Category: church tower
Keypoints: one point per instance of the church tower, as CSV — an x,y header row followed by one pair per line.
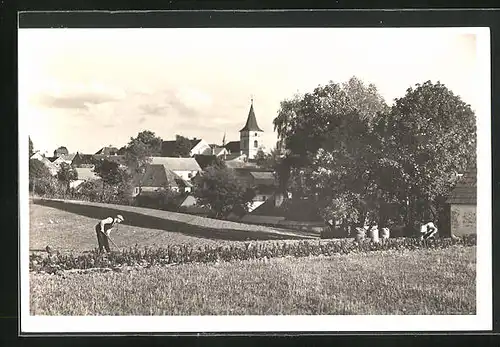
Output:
x,y
250,135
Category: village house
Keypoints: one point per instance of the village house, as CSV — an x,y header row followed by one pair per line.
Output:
x,y
64,158
198,146
161,172
41,157
83,160
462,205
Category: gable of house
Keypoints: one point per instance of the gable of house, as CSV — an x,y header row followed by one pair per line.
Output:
x,y
200,147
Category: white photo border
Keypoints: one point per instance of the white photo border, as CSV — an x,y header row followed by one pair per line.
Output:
x,y
481,321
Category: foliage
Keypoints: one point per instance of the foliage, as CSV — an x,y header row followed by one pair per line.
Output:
x,y
331,148
31,151
61,151
94,191
376,283
109,172
166,198
181,254
66,174
48,187
220,190
140,149
349,151
182,146
37,169
429,136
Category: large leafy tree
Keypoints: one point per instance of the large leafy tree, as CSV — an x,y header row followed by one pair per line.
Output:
x,y
61,151
220,190
182,146
113,176
139,150
330,147
66,174
429,137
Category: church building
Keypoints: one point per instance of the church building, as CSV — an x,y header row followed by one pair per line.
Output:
x,y
250,137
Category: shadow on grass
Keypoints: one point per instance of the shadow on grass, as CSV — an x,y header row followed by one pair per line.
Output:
x,y
150,222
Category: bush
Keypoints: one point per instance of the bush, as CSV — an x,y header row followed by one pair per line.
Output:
x,y
48,187
178,254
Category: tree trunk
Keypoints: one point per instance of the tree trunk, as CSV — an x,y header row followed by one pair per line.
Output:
x,y
102,193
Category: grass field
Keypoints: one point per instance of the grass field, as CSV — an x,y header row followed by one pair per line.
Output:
x,y
417,282
438,281
72,232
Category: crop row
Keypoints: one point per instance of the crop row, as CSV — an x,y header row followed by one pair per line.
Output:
x,y
179,254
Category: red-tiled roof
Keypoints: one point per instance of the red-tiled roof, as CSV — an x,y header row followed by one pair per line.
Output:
x,y
465,191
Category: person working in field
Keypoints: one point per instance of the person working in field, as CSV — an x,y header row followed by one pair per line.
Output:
x,y
103,229
427,231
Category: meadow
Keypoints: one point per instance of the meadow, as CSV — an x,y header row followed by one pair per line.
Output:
x,y
302,280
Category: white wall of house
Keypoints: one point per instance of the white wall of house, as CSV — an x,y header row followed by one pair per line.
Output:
x,y
200,148
463,219
185,175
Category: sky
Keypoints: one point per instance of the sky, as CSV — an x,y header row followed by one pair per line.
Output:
x,y
89,88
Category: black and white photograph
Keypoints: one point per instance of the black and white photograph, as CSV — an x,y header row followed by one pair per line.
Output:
x,y
255,179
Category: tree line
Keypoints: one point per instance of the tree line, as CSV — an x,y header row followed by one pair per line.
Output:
x,y
361,160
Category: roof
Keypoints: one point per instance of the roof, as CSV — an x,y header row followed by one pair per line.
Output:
x,y
67,157
465,191
168,147
233,146
84,158
86,174
263,178
251,124
109,150
205,160
158,175
218,150
237,164
194,142
119,159
177,164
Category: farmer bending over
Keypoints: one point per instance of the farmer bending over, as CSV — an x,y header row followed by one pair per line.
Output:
x,y
103,229
428,230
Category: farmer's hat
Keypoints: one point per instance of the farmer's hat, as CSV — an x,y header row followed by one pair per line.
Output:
x,y
120,218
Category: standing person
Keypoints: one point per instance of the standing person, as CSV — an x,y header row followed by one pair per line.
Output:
x,y
103,229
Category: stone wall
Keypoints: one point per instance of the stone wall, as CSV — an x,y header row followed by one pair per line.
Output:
x,y
463,219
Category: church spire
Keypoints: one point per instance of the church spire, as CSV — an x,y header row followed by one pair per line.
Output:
x,y
251,124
